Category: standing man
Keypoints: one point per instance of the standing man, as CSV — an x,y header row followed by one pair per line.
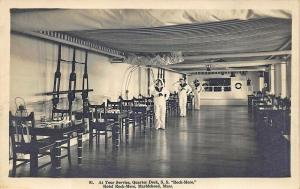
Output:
x,y
197,90
161,94
184,89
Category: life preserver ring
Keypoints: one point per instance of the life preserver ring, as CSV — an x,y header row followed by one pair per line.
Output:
x,y
238,85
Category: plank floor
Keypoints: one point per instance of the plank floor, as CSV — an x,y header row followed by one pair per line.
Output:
x,y
217,141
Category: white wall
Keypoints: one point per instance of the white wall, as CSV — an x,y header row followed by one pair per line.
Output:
x,y
234,97
32,67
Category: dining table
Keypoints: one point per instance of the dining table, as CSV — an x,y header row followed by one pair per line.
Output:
x,y
57,133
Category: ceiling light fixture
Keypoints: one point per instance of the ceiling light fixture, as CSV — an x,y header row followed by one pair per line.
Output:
x,y
261,74
156,59
208,67
232,74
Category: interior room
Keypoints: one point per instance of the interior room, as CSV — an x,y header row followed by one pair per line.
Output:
x,y
150,93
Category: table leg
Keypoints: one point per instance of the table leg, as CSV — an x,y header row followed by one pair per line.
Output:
x,y
144,117
79,146
33,163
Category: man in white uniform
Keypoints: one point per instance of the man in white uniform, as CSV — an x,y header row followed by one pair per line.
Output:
x,y
161,94
197,90
183,90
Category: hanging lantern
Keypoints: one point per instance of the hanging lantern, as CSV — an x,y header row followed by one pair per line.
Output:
x,y
208,67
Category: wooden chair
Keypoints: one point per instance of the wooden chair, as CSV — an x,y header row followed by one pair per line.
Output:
x,y
97,124
189,104
58,115
127,106
150,114
118,123
24,142
121,106
140,118
173,104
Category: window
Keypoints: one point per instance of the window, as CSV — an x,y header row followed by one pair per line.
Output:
x,y
217,84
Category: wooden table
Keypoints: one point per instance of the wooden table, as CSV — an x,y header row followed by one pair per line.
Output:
x,y
57,134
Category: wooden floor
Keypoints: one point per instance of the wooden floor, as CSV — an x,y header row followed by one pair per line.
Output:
x,y
217,141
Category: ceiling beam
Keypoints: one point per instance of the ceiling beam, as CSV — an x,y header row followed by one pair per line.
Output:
x,y
224,64
237,55
227,70
168,69
285,45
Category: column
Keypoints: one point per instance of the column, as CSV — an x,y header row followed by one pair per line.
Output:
x,y
139,77
148,81
283,79
261,83
272,79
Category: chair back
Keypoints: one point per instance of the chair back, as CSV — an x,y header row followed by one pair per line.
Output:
x,y
114,105
173,96
286,103
59,114
127,104
271,98
149,101
279,102
97,112
138,101
20,129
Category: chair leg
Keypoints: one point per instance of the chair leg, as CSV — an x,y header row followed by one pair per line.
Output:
x,y
122,125
33,163
14,166
140,121
69,150
133,124
90,138
144,121
105,138
52,157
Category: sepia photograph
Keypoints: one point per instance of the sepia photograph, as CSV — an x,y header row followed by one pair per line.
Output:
x,y
115,94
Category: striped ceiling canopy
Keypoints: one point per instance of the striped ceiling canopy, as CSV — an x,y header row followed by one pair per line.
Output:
x,y
198,41
218,37
232,36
